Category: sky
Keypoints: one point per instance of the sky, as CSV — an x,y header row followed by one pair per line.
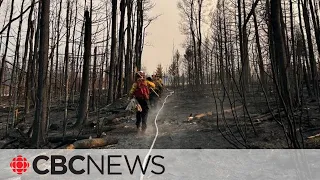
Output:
x,y
162,35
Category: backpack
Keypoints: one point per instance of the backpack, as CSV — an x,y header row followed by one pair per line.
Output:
x,y
142,91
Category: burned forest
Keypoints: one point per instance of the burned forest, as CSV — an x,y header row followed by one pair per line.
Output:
x,y
246,74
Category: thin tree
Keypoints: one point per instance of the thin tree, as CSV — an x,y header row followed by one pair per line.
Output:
x,y
66,74
39,124
121,47
83,104
113,51
4,56
128,57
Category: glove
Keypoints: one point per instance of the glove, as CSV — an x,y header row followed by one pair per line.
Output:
x,y
139,108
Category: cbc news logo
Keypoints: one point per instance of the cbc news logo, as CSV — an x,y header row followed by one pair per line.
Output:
x,y
19,164
60,165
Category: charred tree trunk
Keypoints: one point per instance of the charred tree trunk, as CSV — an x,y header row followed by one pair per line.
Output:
x,y
94,79
106,54
3,61
294,59
57,51
200,2
28,81
280,51
281,57
304,49
113,51
40,120
66,74
221,68
121,47
15,70
139,34
315,24
83,104
24,57
260,60
73,61
312,60
128,58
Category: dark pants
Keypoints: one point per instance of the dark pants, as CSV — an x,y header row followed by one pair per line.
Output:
x,y
143,115
153,99
159,91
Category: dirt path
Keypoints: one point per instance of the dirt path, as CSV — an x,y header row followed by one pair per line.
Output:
x,y
174,129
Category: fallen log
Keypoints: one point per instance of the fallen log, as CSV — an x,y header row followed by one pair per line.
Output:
x,y
92,143
199,116
313,141
314,136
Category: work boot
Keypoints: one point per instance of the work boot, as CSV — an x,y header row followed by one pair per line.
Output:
x,y
143,129
138,128
139,132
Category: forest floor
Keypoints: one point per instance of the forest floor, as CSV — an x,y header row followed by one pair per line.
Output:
x,y
175,129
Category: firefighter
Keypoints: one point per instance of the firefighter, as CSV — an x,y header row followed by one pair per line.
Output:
x,y
141,91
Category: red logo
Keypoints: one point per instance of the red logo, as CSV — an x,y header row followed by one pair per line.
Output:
x,y
19,164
